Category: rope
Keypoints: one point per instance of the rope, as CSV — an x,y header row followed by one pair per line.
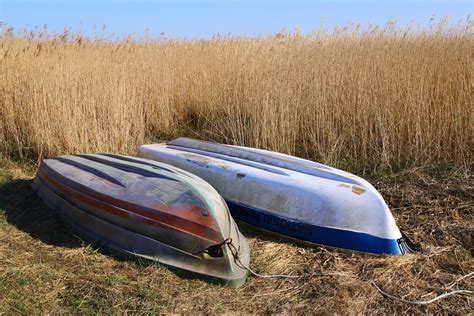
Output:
x,y
235,253
434,299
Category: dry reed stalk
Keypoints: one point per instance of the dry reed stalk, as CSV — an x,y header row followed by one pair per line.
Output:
x,y
355,98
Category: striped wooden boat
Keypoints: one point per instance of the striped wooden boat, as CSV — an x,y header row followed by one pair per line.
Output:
x,y
297,198
143,208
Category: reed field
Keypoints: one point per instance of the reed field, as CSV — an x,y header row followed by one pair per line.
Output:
x,y
362,98
393,104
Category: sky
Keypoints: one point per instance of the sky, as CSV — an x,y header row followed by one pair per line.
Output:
x,y
205,18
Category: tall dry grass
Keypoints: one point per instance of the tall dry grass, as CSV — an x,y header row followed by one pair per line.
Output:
x,y
360,98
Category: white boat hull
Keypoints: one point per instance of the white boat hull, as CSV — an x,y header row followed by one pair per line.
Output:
x,y
290,196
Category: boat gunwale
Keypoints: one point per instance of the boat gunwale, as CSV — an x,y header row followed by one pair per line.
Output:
x,y
234,206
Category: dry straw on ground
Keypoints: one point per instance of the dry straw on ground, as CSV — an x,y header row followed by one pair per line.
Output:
x,y
43,267
357,98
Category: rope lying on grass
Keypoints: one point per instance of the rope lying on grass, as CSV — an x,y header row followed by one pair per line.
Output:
x,y
236,255
434,299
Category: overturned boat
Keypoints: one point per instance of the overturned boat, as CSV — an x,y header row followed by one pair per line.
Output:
x,y
147,209
297,198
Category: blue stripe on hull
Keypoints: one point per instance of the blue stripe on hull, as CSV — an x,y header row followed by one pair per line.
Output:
x,y
314,234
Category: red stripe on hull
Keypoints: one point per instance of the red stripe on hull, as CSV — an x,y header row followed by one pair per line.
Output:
x,y
151,217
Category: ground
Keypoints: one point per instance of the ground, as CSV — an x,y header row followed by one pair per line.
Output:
x,y
45,268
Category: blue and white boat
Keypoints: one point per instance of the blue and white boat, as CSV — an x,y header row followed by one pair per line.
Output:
x,y
290,196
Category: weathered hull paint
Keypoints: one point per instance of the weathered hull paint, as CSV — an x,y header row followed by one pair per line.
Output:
x,y
301,199
312,234
146,209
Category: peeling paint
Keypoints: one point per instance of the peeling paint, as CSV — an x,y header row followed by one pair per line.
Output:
x,y
203,161
357,190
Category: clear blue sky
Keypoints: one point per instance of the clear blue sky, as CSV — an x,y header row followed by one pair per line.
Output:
x,y
204,18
